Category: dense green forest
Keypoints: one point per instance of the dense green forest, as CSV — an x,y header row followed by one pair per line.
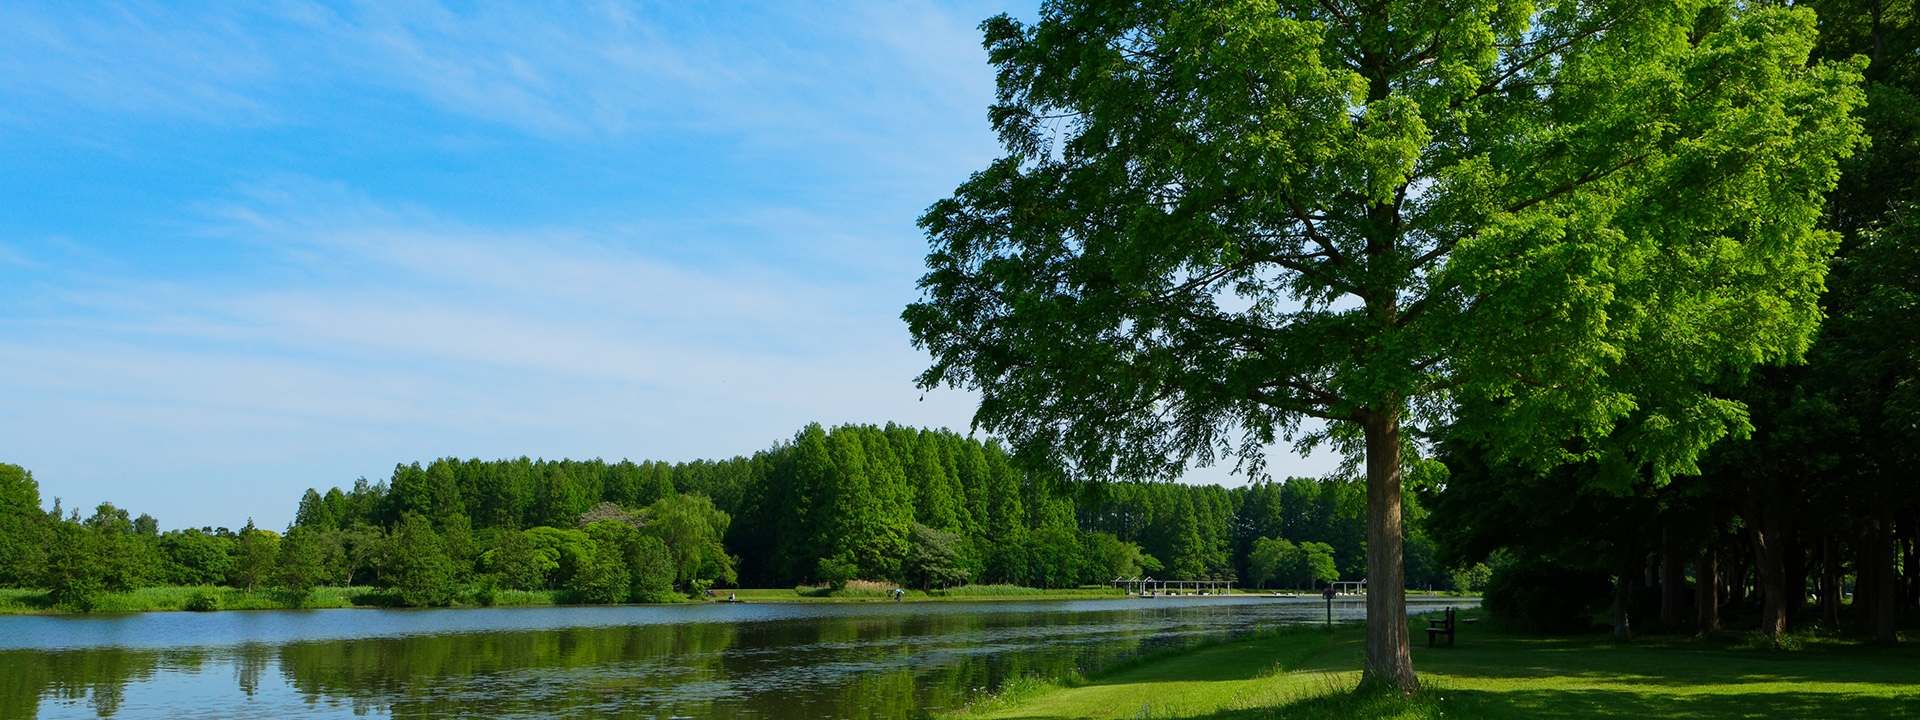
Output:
x,y
921,508
1810,521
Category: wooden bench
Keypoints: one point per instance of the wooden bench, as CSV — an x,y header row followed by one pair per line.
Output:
x,y
1442,626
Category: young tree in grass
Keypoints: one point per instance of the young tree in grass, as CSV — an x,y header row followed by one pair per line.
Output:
x,y
417,563
74,574
1216,221
254,556
1112,558
1270,560
300,562
1314,563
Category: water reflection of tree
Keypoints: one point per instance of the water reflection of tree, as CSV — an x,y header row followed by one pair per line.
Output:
x,y
859,665
97,676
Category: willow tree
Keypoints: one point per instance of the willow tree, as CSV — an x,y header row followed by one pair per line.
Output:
x,y
1217,219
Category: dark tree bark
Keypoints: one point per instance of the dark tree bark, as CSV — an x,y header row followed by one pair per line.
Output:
x,y
1706,586
1830,579
1768,531
1623,593
1909,580
1864,581
1389,658
1734,580
1673,580
1794,588
1885,597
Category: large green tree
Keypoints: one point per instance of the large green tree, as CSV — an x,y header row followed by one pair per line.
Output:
x,y
23,527
1217,220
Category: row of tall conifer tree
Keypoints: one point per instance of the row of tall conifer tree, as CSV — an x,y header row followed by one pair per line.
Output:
x,y
922,508
873,502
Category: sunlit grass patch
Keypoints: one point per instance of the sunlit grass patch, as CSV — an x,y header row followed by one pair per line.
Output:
x,y
1494,673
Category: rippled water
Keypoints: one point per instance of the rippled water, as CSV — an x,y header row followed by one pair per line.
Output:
x,y
875,660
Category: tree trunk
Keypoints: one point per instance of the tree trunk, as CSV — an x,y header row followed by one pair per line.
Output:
x,y
1706,587
1673,580
1388,658
1830,580
1769,559
1623,595
1734,580
1909,581
1795,582
1864,581
1773,606
1885,597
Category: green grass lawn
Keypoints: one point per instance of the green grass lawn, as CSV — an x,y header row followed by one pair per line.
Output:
x,y
1309,673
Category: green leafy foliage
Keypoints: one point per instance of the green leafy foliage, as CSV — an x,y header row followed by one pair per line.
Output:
x,y
652,569
23,527
254,556
693,528
1545,596
194,557
300,562
934,559
1303,565
75,574
418,566
1554,225
599,569
516,563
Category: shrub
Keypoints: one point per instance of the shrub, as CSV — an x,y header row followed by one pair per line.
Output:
x,y
203,600
836,571
1547,597
486,590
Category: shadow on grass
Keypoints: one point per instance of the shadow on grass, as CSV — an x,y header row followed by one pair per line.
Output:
x,y
1440,703
1219,660
1669,662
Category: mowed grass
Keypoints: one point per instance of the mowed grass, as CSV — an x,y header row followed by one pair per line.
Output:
x,y
1492,674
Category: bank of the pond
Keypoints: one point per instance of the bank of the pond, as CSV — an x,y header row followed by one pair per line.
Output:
x,y
1490,673
216,597
15,601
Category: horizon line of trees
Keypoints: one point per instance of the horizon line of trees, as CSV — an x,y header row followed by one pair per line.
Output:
x,y
921,508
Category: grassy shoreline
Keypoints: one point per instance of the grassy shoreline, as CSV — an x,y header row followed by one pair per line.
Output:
x,y
216,598
1490,673
181,598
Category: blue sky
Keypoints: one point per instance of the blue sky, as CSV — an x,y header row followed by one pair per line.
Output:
x,y
250,248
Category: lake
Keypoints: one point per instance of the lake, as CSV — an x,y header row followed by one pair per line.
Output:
x,y
776,660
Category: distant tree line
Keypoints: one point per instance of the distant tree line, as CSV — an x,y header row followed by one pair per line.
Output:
x,y
922,508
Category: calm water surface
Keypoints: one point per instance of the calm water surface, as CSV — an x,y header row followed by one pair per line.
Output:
x,y
773,661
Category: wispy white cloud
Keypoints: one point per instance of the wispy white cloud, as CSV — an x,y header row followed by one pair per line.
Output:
x,y
777,72
297,331
130,57
446,338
